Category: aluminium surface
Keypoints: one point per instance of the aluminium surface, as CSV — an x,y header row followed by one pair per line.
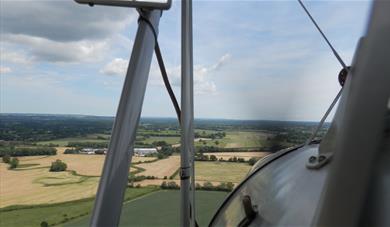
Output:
x,y
187,211
145,4
284,191
377,205
360,131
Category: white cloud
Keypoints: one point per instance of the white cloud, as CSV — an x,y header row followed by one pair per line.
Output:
x,y
221,61
202,83
60,31
63,21
116,67
4,70
42,49
15,57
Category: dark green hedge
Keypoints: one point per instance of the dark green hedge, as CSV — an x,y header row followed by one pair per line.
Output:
x,y
33,151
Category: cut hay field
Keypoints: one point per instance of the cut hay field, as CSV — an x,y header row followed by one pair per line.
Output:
x,y
34,184
217,172
90,165
244,155
161,168
221,171
148,210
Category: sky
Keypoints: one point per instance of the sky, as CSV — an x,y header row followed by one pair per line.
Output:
x,y
252,59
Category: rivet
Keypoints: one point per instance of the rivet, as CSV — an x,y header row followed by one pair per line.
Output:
x,y
312,159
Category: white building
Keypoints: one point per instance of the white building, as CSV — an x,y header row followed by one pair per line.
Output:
x,y
87,151
144,151
93,151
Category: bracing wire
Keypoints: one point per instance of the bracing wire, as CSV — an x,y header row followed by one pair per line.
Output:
x,y
321,123
319,126
166,81
323,35
163,70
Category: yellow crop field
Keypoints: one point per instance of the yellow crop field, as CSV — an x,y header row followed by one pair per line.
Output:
x,y
83,164
221,171
34,184
164,167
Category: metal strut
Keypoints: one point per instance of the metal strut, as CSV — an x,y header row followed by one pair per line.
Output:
x,y
187,215
322,158
109,198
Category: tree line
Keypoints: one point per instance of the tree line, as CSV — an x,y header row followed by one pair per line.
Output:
x,y
27,151
213,158
207,186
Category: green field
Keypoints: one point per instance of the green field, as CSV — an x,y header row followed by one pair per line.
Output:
x,y
238,139
244,139
57,213
93,138
233,139
64,142
162,208
142,208
168,139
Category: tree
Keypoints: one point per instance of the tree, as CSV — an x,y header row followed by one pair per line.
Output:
x,y
208,185
14,162
229,186
6,158
216,142
169,185
252,161
160,156
160,143
164,185
71,151
173,185
58,166
213,158
44,224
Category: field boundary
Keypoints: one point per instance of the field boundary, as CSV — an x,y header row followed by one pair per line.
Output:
x,y
23,207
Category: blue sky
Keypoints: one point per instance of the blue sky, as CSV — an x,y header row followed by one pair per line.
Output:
x,y
252,59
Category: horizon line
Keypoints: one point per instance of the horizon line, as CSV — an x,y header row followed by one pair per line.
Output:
x,y
161,117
